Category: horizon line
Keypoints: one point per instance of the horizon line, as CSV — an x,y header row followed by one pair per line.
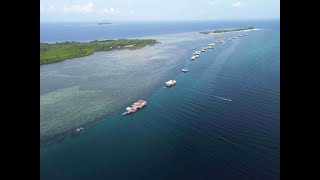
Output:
x,y
182,20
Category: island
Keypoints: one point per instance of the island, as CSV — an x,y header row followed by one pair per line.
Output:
x,y
102,23
50,53
226,30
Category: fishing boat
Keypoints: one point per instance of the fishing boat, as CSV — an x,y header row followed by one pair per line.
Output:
x,y
197,52
185,70
79,129
170,83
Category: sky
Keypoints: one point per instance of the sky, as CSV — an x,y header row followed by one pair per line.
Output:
x,y
156,10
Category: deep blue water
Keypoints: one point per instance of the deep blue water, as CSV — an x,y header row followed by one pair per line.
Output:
x,y
190,131
54,32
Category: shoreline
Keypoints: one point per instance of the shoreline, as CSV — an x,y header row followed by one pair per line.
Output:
x,y
217,31
57,52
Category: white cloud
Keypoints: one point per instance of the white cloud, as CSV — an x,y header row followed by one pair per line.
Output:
x,y
47,8
88,9
132,12
110,11
41,8
51,8
214,2
236,4
79,8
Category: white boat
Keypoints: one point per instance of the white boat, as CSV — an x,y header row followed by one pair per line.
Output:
x,y
185,70
210,47
197,52
230,39
234,38
240,35
193,57
203,50
245,34
197,56
211,44
170,83
221,41
79,129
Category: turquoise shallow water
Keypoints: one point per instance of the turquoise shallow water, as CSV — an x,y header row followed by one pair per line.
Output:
x,y
189,131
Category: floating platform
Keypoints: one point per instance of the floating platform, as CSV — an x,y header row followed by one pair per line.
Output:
x,y
135,107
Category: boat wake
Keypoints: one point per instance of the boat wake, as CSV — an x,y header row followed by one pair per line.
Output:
x,y
223,98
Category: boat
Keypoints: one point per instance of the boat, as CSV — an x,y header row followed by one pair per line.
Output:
x,y
197,52
210,47
135,106
217,42
170,83
197,56
221,41
234,38
193,57
79,129
185,70
245,34
240,35
211,44
230,39
203,50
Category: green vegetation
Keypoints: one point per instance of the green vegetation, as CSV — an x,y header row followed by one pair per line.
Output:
x,y
226,30
50,53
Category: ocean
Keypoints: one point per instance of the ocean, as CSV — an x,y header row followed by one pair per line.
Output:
x,y
220,121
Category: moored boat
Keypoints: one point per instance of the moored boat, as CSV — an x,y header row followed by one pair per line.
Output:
x,y
185,70
79,129
197,52
170,83
135,106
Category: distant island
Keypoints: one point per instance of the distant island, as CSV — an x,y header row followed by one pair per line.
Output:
x,y
50,53
226,30
102,23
